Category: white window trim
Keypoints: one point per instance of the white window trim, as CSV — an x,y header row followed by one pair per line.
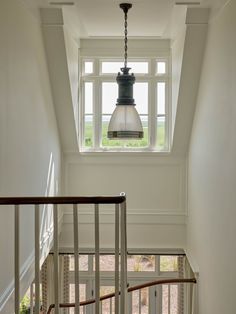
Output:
x,y
107,278
152,78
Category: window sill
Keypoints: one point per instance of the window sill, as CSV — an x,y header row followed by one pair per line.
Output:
x,y
124,153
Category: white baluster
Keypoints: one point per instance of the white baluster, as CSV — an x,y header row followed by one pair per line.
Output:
x,y
117,246
17,259
56,254
168,299
37,259
76,257
97,262
123,299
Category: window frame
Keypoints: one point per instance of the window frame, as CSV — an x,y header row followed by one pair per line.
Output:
x,y
134,277
152,78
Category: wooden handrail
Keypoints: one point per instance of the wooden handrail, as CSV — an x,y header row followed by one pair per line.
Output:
x,y
130,289
162,282
63,200
120,205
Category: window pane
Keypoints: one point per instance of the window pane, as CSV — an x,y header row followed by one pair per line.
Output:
x,y
141,97
124,143
144,301
111,66
105,141
135,302
83,263
88,67
88,97
138,67
109,97
108,304
161,121
141,263
161,93
161,67
106,290
25,302
115,66
140,301
173,299
168,263
165,297
107,263
82,291
88,131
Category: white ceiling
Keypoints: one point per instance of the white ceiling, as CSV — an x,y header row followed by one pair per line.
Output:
x,y
104,18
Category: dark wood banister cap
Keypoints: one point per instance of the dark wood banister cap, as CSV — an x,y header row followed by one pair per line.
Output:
x,y
63,200
130,289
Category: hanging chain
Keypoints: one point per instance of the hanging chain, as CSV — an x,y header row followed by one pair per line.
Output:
x,y
126,41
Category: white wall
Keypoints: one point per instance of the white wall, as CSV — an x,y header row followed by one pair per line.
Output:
x,y
212,172
154,183
62,56
155,188
185,86
177,59
29,143
72,53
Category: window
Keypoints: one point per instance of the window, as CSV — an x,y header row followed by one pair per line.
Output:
x,y
162,299
169,299
168,263
82,293
107,263
107,306
98,101
140,301
141,263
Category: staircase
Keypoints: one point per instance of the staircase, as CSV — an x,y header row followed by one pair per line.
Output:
x,y
120,249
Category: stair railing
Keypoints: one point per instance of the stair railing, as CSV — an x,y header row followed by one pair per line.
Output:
x,y
120,247
130,289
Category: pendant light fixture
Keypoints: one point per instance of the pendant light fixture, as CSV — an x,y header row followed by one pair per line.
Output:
x,y
125,122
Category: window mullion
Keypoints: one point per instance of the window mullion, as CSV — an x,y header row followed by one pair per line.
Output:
x,y
152,113
167,115
80,104
159,299
96,106
97,114
82,113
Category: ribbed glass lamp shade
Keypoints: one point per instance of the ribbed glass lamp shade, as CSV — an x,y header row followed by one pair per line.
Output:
x,y
125,123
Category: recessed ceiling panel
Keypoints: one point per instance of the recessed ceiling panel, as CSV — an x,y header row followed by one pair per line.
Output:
x,y
105,18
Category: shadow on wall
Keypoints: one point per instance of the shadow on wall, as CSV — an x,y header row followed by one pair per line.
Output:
x,y
46,230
